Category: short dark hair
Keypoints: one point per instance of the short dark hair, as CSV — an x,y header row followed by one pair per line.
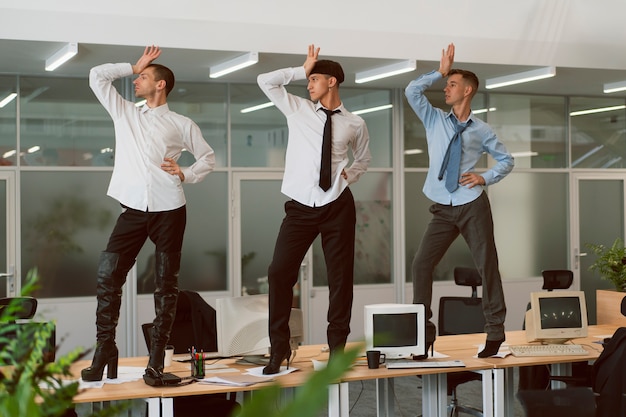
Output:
x,y
468,76
161,72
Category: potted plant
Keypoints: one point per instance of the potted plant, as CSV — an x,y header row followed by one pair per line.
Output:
x,y
29,384
610,263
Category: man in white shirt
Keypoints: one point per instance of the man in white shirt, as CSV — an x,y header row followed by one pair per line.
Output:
x,y
147,181
317,205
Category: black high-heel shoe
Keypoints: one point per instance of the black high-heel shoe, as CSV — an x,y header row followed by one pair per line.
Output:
x,y
106,355
273,367
429,346
491,348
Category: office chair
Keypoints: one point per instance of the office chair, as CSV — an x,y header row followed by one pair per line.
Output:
x,y
462,315
569,402
194,325
22,308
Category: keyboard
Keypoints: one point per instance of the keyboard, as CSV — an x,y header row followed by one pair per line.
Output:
x,y
548,350
407,364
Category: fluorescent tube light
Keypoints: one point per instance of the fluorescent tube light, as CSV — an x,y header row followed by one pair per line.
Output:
x,y
598,110
615,87
479,111
385,71
235,64
61,56
7,99
524,154
413,151
257,107
521,77
373,109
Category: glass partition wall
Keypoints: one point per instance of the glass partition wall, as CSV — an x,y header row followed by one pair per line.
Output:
x,y
59,141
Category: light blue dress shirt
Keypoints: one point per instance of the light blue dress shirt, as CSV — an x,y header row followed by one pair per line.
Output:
x,y
477,139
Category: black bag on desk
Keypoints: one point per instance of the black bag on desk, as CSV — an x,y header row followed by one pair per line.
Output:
x,y
609,380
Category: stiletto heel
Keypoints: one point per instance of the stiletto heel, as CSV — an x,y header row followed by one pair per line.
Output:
x,y
106,355
273,367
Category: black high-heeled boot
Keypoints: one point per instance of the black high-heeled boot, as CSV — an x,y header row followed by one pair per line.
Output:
x,y
429,346
112,270
273,367
106,355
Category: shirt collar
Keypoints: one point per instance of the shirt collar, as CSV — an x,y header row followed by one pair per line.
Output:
x,y
158,111
453,117
318,106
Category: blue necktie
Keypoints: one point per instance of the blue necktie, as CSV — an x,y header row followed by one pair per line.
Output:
x,y
326,163
452,159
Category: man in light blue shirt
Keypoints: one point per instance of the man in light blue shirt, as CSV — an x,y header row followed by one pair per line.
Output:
x,y
461,205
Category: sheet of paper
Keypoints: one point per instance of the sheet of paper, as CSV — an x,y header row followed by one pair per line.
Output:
x,y
239,380
258,371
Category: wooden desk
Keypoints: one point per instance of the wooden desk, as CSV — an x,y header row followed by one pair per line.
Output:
x,y
561,365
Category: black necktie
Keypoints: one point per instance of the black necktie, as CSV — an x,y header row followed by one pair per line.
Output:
x,y
452,159
326,163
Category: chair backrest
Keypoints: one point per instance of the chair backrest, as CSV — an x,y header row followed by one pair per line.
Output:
x,y
570,402
462,315
24,307
557,279
194,325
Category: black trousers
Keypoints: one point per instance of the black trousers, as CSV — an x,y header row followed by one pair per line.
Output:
x,y
164,228
301,225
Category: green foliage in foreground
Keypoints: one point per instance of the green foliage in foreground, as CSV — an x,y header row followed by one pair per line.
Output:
x,y
309,399
28,385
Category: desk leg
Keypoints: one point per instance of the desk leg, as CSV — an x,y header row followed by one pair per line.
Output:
x,y
560,369
334,400
432,403
488,392
154,407
384,397
167,407
503,392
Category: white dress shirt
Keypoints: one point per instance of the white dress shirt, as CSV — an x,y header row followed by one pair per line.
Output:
x,y
304,147
143,138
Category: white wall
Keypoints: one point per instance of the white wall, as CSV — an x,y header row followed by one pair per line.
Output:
x,y
566,33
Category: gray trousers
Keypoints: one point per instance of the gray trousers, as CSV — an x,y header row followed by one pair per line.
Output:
x,y
474,222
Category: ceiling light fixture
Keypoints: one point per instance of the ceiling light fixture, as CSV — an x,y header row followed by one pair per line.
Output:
x,y
385,71
257,107
479,111
614,87
61,56
521,77
7,99
373,109
598,110
235,64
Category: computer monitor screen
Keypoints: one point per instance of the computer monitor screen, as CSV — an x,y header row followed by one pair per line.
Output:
x,y
397,330
242,325
556,316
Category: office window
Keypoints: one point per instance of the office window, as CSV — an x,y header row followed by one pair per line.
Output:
x,y
205,104
8,122
373,241
66,222
598,132
531,127
62,124
204,256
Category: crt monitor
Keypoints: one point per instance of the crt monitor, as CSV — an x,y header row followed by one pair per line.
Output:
x,y
242,325
397,330
556,316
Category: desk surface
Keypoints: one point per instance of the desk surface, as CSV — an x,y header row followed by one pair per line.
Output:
x,y
462,347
